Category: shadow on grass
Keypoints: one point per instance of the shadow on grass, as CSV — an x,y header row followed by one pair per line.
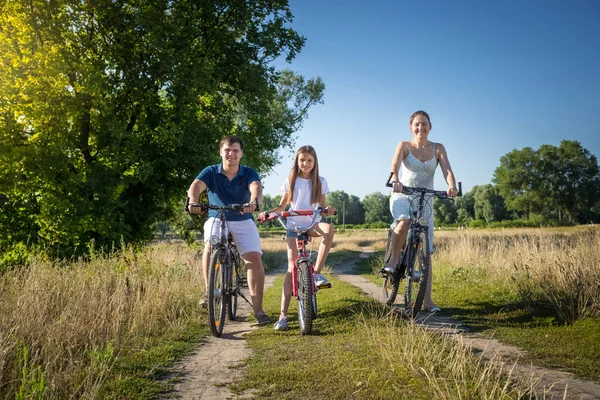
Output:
x,y
484,315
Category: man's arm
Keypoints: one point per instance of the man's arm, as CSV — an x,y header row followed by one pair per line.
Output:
x,y
194,191
255,188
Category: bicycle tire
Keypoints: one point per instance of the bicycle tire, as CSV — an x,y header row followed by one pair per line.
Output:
x,y
235,284
391,282
417,276
305,297
217,299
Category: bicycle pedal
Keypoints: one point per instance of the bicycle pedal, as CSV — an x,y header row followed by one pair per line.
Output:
x,y
325,286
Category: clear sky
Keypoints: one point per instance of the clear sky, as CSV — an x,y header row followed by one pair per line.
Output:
x,y
493,75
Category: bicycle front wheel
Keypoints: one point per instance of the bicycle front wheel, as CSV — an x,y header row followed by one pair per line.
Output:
x,y
391,282
235,284
417,275
216,292
305,297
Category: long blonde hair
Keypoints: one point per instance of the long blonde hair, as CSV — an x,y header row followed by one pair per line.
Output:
x,y
314,176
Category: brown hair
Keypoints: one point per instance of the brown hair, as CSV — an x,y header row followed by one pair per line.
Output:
x,y
314,175
231,139
420,112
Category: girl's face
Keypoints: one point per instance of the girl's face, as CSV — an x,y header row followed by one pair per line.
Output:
x,y
306,163
420,126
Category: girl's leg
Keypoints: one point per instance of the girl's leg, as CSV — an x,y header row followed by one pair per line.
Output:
x,y
326,231
398,239
286,292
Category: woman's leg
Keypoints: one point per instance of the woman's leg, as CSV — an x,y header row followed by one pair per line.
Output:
x,y
398,239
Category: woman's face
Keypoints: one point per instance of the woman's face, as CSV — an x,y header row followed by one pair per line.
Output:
x,y
420,126
306,163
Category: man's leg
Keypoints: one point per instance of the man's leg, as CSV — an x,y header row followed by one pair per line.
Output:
x,y
256,279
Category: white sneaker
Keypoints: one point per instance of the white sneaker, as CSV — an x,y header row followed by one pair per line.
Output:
x,y
281,325
320,280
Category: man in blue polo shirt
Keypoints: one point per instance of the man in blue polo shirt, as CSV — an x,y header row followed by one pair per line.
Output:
x,y
232,183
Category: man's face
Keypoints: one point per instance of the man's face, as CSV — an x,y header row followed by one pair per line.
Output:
x,y
231,154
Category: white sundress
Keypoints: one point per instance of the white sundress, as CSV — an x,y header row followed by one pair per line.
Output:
x,y
415,173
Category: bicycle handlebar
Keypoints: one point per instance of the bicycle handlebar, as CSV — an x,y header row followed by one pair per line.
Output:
x,y
411,190
204,207
295,213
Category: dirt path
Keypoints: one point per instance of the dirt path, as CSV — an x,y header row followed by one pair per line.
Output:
x,y
549,384
206,374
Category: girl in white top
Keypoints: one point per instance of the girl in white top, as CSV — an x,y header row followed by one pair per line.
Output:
x,y
304,189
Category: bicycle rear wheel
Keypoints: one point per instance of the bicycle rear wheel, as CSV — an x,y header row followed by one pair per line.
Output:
x,y
417,275
305,297
216,293
235,284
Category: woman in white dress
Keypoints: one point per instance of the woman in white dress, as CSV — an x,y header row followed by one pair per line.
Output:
x,y
419,159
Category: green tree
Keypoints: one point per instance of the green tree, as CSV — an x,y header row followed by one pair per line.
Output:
x,y
552,181
489,205
572,178
349,209
520,181
377,208
444,212
108,110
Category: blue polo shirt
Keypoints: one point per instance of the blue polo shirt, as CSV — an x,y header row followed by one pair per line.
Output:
x,y
223,191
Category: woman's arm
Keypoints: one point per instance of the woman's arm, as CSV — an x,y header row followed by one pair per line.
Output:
x,y
446,170
399,156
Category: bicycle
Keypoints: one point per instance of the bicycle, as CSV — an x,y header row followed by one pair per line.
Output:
x,y
303,286
225,273
414,262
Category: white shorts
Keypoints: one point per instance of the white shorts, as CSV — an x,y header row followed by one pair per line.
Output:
x,y
245,233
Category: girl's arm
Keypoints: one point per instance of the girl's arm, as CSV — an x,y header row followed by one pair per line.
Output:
x,y
399,156
330,210
281,207
446,170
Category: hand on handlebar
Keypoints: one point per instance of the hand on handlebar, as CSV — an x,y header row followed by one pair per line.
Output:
x,y
262,217
396,187
452,192
329,210
196,209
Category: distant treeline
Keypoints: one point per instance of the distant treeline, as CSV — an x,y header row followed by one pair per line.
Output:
x,y
549,186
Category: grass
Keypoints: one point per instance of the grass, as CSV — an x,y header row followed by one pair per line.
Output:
x,y
478,278
359,351
111,326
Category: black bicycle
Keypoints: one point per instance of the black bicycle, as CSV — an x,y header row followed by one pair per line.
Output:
x,y
225,272
414,262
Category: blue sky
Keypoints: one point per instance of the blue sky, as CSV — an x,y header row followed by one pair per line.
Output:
x,y
493,75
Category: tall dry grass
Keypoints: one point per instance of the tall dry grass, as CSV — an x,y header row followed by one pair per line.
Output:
x,y
63,325
558,268
448,367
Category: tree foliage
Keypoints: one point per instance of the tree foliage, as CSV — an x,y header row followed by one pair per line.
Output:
x,y
377,208
552,181
349,208
109,109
